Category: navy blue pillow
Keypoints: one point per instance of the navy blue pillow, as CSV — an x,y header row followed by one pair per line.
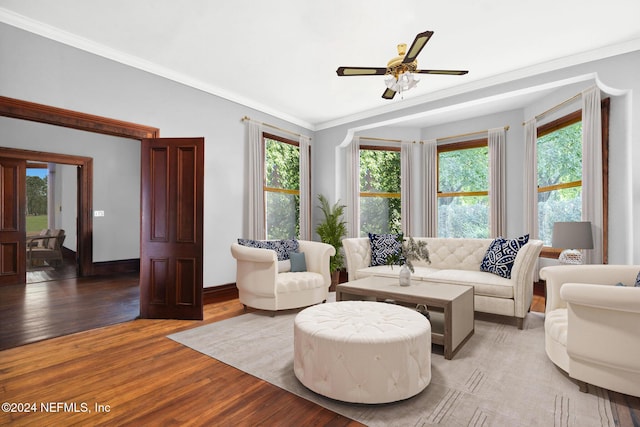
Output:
x,y
282,247
383,246
501,255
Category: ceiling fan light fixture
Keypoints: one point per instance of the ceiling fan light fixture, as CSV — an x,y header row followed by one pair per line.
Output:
x,y
402,83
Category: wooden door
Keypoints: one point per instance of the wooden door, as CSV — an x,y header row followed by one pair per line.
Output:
x,y
171,228
12,221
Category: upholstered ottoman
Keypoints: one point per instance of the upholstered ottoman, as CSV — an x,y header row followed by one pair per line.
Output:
x,y
362,351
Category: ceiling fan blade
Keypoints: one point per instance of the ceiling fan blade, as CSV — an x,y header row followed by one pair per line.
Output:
x,y
416,46
361,71
448,72
389,94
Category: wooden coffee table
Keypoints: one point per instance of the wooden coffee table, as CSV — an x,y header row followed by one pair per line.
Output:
x,y
450,306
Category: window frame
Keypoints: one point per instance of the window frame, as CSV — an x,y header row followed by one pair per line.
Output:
x,y
266,189
387,195
458,146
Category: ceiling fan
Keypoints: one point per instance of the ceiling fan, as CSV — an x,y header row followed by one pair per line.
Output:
x,y
400,69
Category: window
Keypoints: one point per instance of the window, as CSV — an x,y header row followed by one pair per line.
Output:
x,y
380,207
282,187
559,150
463,189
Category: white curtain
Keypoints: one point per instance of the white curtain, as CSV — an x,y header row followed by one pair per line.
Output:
x,y
406,156
530,192
305,189
256,182
497,204
592,171
430,199
353,188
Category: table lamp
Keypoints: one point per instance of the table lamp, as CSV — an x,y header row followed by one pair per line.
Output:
x,y
572,236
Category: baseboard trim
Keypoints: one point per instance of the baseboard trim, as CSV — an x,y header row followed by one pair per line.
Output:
x,y
116,267
219,293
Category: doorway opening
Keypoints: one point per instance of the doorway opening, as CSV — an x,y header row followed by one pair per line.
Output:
x,y
51,221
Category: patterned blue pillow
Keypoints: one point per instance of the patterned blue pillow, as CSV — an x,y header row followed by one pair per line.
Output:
x,y
637,281
501,255
282,247
383,246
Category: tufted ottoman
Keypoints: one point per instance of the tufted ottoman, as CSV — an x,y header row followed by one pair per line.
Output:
x,y
362,351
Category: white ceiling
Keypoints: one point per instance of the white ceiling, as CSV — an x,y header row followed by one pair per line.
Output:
x,y
280,56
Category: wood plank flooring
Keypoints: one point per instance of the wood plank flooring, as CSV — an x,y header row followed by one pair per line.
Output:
x,y
137,376
131,374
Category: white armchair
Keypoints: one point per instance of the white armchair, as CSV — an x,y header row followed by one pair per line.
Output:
x,y
591,325
261,286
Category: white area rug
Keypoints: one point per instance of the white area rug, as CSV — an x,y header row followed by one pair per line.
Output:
x,y
500,377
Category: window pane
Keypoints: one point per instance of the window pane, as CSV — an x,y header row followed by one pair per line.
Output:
x,y
379,215
282,165
560,156
283,211
463,170
558,205
379,171
466,216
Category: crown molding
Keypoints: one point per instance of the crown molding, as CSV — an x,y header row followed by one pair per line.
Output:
x,y
36,27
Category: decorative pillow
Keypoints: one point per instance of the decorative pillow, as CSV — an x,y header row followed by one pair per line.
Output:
x,y
383,246
284,266
637,281
298,261
501,255
282,247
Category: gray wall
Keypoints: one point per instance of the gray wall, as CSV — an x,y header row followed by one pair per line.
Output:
x,y
616,76
39,70
43,71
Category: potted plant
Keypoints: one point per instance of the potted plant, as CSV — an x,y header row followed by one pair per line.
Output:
x,y
409,250
332,229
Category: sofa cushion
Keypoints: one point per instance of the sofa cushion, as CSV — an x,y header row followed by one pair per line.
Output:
x,y
486,284
298,281
383,246
501,255
393,271
281,247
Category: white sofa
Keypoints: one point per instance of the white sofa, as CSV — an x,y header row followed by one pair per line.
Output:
x,y
458,261
261,285
591,325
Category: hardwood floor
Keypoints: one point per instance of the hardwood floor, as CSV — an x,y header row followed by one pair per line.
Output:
x,y
131,374
38,311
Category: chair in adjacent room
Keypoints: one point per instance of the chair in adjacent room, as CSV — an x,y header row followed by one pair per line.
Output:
x,y
47,248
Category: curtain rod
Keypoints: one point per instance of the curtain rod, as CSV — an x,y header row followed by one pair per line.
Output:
x,y
245,118
373,138
462,135
556,107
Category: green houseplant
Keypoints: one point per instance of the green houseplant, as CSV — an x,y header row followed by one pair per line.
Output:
x,y
332,229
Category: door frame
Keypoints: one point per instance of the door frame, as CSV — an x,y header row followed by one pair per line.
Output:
x,y
18,109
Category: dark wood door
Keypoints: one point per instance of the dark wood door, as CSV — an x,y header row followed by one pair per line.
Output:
x,y
12,221
171,228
